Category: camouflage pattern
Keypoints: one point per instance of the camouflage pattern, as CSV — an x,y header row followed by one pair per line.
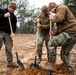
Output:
x,y
67,41
41,38
8,44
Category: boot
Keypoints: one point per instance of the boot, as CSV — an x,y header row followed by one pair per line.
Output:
x,y
12,64
39,59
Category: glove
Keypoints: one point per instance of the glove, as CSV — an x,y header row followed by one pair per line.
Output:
x,y
51,33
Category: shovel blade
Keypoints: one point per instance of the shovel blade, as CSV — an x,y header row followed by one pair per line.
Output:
x,y
20,64
34,66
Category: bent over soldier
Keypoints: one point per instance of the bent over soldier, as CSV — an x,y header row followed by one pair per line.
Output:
x,y
5,32
65,35
43,25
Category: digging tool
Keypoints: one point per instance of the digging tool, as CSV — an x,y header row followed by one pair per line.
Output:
x,y
18,61
37,38
39,56
37,34
49,73
34,65
50,29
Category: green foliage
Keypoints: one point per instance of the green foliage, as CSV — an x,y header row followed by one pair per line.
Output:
x,y
72,5
26,15
4,3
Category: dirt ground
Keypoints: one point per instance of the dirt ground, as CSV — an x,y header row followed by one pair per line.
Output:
x,y
26,48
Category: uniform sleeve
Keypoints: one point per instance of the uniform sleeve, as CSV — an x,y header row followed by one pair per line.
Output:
x,y
1,14
60,15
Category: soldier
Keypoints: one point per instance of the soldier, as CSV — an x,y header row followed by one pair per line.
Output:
x,y
43,24
65,35
5,32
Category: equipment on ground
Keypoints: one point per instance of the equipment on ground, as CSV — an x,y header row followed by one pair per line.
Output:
x,y
19,62
34,65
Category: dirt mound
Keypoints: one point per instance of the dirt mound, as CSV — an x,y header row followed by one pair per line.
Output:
x,y
32,72
61,69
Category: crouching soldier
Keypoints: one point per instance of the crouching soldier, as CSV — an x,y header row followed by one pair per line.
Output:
x,y
65,35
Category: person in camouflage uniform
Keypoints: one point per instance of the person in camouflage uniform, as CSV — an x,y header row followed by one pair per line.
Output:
x,y
5,32
65,35
43,26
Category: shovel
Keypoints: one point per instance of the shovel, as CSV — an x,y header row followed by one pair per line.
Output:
x,y
18,61
34,65
50,72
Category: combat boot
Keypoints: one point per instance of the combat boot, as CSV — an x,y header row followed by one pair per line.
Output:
x,y
12,64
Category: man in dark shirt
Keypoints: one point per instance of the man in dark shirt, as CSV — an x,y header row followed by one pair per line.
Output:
x,y
5,32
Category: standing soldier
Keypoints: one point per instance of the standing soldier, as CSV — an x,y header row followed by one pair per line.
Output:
x,y
43,25
65,35
5,32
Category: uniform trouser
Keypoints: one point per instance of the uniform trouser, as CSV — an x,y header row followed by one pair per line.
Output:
x,y
41,39
1,43
67,41
8,44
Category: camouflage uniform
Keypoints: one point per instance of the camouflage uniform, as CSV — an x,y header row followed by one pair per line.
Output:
x,y
65,34
8,44
41,39
43,33
67,42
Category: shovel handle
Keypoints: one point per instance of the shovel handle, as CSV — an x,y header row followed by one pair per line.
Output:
x,y
10,24
50,28
17,55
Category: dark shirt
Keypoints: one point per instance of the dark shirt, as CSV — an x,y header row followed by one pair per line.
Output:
x,y
4,22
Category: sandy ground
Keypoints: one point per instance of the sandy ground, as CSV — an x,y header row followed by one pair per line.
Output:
x,y
25,45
